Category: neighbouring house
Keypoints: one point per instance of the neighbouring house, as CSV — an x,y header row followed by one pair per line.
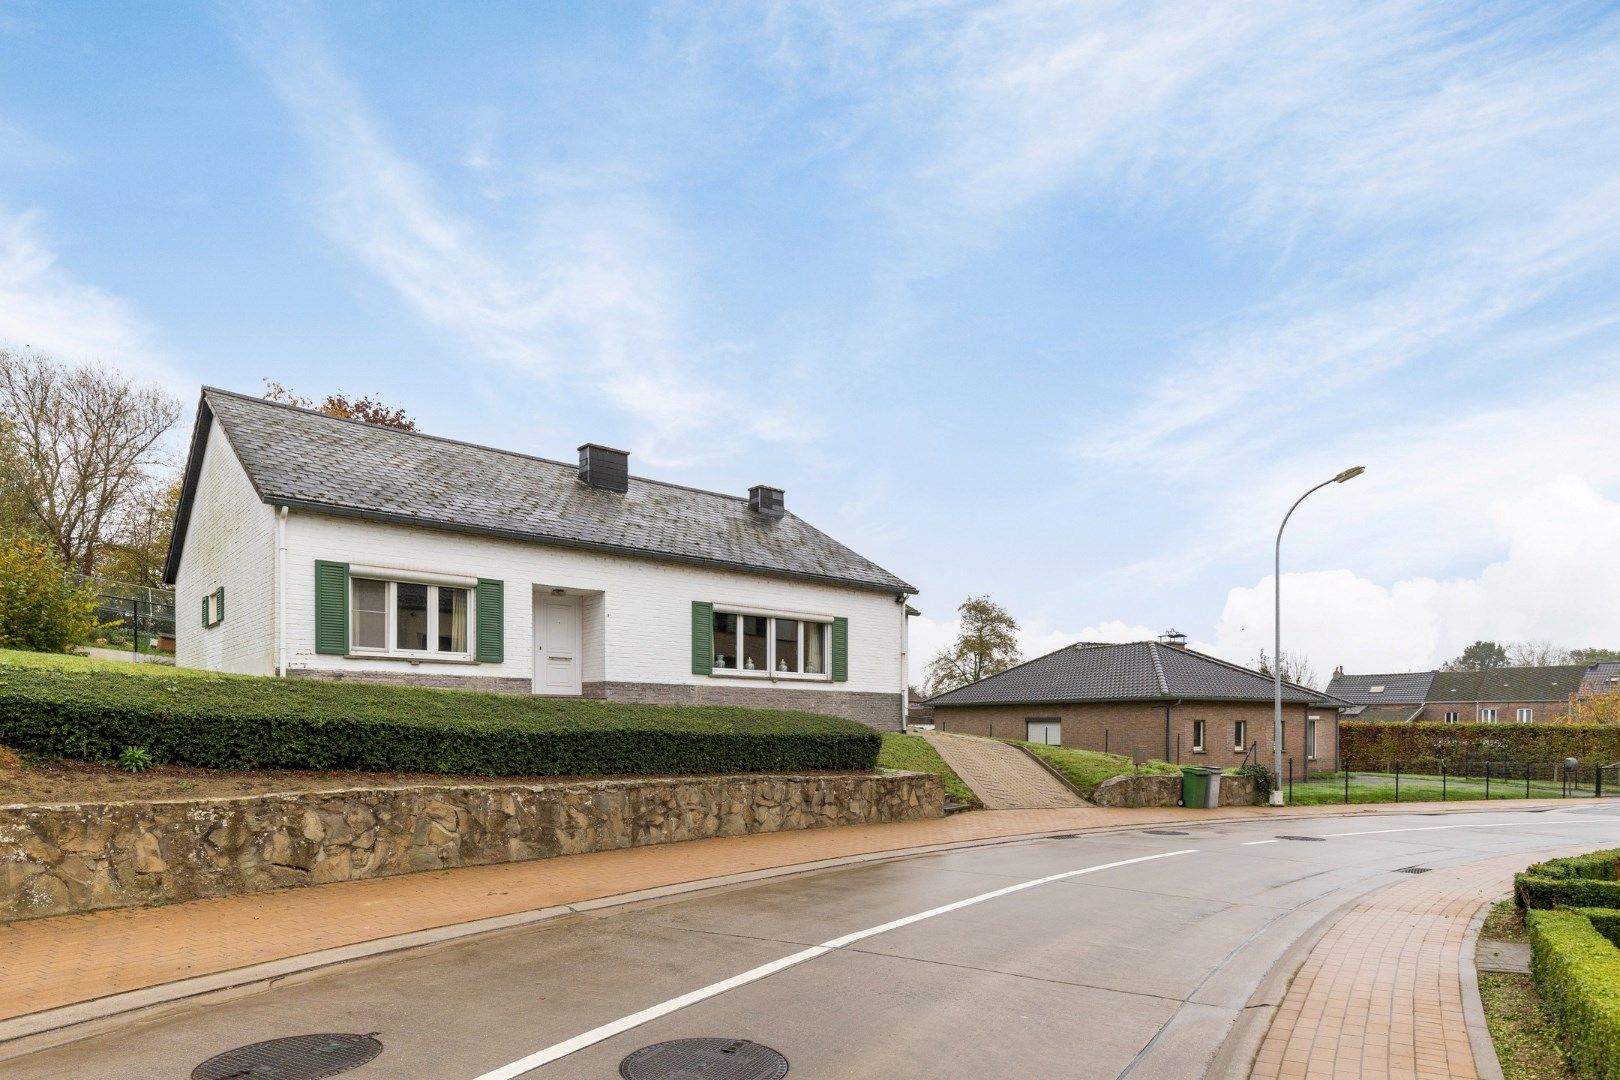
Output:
x,y
1157,696
1520,695
919,714
314,547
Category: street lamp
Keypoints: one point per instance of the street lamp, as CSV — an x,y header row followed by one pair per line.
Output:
x,y
1276,647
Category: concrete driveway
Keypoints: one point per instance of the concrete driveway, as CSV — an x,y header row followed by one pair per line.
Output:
x,y
1131,953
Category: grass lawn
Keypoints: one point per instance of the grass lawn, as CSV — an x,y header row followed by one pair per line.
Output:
x,y
1526,1041
62,662
1380,788
913,754
1086,769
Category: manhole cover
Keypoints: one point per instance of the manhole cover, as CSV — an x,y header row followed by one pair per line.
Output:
x,y
1165,832
704,1059
1317,839
301,1057
1414,870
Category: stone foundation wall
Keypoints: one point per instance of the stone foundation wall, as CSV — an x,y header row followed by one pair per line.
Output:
x,y
80,857
1164,789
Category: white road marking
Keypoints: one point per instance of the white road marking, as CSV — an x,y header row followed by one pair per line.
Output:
x,y
1480,825
1252,843
634,1020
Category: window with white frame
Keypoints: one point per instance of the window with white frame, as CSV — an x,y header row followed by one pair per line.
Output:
x,y
1310,738
1198,736
409,618
1240,734
1487,716
771,646
1451,717
1526,715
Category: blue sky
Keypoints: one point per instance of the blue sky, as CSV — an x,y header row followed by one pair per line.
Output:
x,y
1059,302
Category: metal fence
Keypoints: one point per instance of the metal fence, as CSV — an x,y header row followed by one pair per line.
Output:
x,y
1444,781
132,617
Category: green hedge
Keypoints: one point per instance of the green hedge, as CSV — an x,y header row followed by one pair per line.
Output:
x,y
1577,970
243,722
1454,743
1579,881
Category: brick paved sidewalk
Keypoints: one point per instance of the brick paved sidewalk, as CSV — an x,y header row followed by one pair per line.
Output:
x,y
1002,776
68,959
1380,995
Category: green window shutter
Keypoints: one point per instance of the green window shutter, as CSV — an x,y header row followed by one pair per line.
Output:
x,y
491,604
219,605
702,638
206,598
331,607
840,650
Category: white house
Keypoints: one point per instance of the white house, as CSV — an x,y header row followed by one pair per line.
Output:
x,y
314,547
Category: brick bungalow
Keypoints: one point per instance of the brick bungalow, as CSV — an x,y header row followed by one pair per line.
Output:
x,y
1159,696
1501,695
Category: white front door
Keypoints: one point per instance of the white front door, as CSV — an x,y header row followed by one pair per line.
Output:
x,y
557,646
1045,732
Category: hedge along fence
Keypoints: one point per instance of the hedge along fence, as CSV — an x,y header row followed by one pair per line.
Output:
x,y
1579,881
247,722
1456,743
1577,970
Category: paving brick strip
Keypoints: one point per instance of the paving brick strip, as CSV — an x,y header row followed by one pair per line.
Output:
x,y
1002,776
64,960
1381,994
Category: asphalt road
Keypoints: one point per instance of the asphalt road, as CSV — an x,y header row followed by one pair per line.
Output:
x,y
1099,955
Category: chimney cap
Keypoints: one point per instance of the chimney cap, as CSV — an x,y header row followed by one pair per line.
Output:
x,y
604,467
1173,638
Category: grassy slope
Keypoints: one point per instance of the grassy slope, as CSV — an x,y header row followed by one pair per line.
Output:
x,y
1086,769
63,662
913,754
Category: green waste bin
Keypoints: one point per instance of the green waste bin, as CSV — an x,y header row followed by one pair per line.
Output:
x,y
1200,786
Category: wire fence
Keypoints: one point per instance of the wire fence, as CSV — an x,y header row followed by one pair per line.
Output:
x,y
1443,781
136,618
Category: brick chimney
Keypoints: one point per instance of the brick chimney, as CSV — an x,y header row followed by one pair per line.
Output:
x,y
770,501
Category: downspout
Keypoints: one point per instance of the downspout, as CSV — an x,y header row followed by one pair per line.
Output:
x,y
1168,706
281,592
905,661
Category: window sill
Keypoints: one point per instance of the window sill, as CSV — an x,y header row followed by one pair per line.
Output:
x,y
769,676
401,658
1198,751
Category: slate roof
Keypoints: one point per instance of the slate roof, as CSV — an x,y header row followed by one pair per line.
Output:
x,y
1603,677
307,460
1135,671
1509,684
1386,714
1400,688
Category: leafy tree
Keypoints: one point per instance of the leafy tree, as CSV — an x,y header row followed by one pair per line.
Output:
x,y
137,551
986,643
1592,656
1601,708
366,409
82,444
41,610
1477,657
1296,669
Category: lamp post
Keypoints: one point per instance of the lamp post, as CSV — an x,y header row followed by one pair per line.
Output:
x,y
1276,648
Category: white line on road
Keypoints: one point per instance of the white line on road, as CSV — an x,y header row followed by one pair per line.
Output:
x,y
634,1020
1481,825
1252,843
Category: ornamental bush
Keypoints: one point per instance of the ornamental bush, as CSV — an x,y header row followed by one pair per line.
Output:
x,y
247,722
1577,970
40,611
1580,881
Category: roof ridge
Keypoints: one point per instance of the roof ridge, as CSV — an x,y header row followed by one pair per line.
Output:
x,y
460,442
1158,666
1382,674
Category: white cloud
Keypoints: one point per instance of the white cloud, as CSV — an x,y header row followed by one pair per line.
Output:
x,y
46,308
1562,542
586,295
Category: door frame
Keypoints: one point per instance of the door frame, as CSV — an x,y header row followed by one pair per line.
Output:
x,y
537,684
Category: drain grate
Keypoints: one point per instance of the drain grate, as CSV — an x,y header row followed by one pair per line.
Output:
x,y
301,1057
1314,839
1414,870
711,1059
1165,832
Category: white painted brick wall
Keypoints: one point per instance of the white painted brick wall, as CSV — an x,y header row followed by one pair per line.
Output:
x,y
646,611
230,541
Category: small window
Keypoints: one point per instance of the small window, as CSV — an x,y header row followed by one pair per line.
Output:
x,y
1526,716
409,618
815,648
1487,716
1451,717
1240,734
1310,739
725,641
756,646
1198,737
787,645
370,614
1379,689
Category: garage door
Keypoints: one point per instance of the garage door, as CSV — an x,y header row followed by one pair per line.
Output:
x,y
1048,732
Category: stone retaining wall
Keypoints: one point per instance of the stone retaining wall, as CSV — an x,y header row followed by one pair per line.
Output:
x,y
1164,789
80,857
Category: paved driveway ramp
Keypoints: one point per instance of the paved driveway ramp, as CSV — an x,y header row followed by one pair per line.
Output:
x,y
1002,776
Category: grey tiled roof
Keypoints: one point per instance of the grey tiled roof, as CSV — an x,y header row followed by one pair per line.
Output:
x,y
1508,684
1386,714
1400,688
1136,671
309,460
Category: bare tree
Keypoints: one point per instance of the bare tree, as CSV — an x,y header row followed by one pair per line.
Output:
x,y
84,442
1296,669
986,644
1536,654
